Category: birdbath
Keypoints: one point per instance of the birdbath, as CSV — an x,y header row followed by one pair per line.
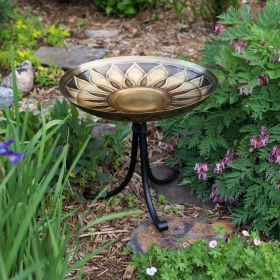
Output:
x,y
138,89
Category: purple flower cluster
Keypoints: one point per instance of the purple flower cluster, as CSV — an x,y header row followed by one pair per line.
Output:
x,y
241,91
201,170
170,147
261,141
219,199
13,157
263,80
275,155
219,29
238,46
220,166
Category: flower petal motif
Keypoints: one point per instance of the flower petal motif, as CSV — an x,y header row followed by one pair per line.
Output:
x,y
174,81
83,95
94,87
117,77
156,75
89,87
100,81
135,74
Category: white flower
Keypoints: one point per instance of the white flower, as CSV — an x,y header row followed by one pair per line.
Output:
x,y
151,271
212,243
245,233
257,242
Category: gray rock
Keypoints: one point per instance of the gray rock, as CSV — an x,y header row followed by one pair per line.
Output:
x,y
6,97
106,33
180,234
176,193
68,58
24,77
100,129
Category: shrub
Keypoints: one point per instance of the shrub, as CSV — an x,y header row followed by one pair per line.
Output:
x,y
236,259
230,144
125,7
6,10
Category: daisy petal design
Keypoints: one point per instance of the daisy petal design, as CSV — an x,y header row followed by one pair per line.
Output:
x,y
137,89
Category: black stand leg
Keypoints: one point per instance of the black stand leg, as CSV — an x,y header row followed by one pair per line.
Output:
x,y
140,135
160,225
87,193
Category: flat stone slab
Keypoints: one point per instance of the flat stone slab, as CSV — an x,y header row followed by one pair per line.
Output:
x,y
181,233
68,58
102,33
176,193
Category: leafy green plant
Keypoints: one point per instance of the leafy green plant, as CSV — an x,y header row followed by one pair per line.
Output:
x,y
125,7
34,236
229,145
162,200
130,200
99,155
24,33
6,10
239,258
189,11
48,76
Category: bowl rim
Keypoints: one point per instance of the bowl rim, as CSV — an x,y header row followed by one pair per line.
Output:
x,y
137,59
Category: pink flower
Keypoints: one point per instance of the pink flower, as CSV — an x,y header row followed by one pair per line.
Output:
x,y
262,141
219,29
275,155
220,166
239,47
151,271
245,233
241,91
201,170
219,199
263,80
278,185
212,244
257,242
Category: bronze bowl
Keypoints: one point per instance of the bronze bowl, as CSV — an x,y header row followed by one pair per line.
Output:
x,y
137,88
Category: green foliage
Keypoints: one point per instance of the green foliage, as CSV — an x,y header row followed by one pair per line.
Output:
x,y
34,238
236,259
190,11
247,99
162,200
130,200
48,76
23,34
36,241
6,10
125,7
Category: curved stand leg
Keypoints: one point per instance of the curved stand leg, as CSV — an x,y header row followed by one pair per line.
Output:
x,y
160,225
169,179
87,193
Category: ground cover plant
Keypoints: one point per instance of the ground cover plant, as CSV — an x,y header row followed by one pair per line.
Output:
x,y
239,258
25,33
230,144
34,235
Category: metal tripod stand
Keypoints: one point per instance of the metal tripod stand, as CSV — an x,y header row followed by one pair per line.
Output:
x,y
139,138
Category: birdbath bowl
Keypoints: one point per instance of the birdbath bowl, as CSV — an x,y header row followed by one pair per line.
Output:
x,y
138,89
